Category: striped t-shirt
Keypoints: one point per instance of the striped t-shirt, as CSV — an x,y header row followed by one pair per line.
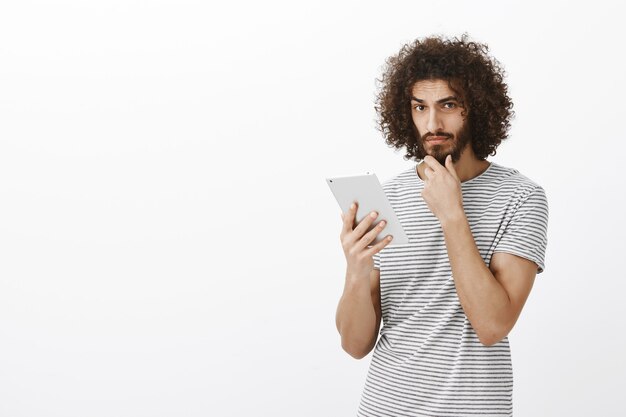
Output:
x,y
428,360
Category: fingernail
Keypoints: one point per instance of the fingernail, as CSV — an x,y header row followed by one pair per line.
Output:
x,y
352,206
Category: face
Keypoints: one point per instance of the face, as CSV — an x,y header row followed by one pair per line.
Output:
x,y
436,113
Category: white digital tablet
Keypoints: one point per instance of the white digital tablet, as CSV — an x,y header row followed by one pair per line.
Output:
x,y
367,191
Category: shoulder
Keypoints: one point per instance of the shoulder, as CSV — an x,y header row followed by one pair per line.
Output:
x,y
511,181
402,180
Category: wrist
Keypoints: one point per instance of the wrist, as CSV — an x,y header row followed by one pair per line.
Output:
x,y
354,281
453,218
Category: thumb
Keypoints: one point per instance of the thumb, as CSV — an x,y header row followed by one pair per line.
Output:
x,y
450,167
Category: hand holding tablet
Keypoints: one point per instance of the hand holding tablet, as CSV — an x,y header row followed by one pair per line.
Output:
x,y
353,241
366,190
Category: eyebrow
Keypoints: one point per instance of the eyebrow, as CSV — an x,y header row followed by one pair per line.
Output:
x,y
442,100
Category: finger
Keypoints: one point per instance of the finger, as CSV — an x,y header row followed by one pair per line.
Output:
x,y
433,163
450,167
348,218
369,237
379,246
364,224
428,172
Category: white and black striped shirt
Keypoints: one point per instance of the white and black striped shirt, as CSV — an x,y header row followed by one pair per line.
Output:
x,y
428,360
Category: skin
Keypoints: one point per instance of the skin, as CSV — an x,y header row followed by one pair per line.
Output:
x,y
492,296
436,114
359,313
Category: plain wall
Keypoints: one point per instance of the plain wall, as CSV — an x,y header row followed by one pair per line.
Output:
x,y
169,246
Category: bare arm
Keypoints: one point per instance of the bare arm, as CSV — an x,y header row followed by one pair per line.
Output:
x,y
359,314
492,297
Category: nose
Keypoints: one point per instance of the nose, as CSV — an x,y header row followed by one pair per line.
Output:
x,y
434,122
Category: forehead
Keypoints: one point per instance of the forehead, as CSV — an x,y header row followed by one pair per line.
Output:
x,y
431,89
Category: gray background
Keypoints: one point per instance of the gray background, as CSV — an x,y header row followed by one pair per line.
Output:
x,y
169,246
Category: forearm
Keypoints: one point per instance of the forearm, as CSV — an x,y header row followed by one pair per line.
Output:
x,y
356,317
485,302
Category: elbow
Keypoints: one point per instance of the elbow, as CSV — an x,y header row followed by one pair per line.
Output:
x,y
359,355
355,352
488,342
491,337
356,346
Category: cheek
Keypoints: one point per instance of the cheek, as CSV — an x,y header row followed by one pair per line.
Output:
x,y
417,120
456,124
416,129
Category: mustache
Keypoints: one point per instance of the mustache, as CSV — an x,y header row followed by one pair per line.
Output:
x,y
443,134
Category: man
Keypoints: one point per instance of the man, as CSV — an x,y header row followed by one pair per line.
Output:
x,y
478,235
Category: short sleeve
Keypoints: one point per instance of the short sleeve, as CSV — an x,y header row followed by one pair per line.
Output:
x,y
526,235
376,257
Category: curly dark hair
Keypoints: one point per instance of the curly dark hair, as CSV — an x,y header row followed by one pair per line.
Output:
x,y
472,74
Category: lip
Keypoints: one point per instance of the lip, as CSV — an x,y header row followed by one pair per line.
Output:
x,y
437,139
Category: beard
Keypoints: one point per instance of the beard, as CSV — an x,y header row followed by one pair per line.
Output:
x,y
454,145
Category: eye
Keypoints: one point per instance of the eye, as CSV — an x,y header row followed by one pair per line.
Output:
x,y
452,105
418,107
